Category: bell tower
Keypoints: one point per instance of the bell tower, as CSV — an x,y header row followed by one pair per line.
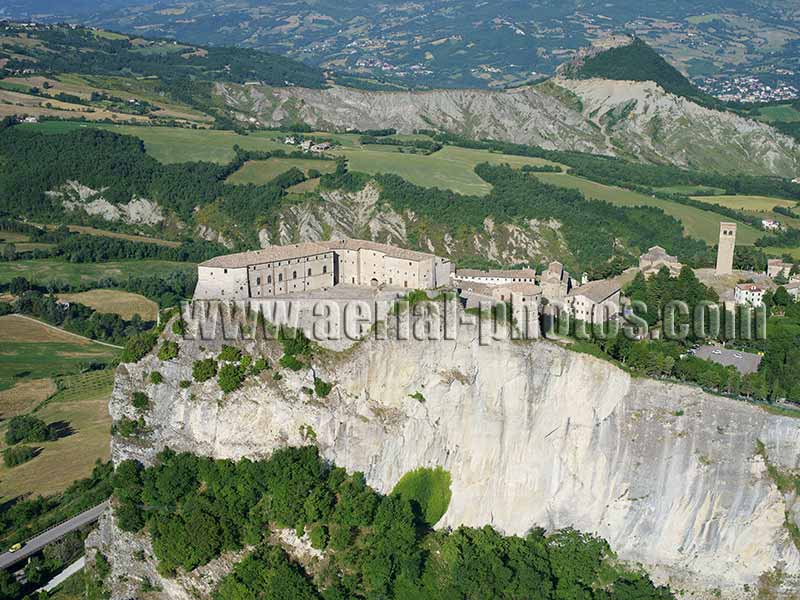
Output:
x,y
727,243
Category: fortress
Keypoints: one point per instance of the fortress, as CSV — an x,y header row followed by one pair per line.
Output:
x,y
280,270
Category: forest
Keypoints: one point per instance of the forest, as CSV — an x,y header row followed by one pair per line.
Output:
x,y
376,546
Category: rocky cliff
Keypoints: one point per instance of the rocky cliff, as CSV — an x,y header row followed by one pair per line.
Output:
x,y
638,120
532,434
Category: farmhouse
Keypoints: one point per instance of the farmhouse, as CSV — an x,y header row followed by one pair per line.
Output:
x,y
279,270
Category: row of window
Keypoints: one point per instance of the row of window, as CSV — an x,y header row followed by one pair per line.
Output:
x,y
294,275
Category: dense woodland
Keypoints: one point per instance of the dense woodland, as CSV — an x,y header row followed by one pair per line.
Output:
x,y
376,546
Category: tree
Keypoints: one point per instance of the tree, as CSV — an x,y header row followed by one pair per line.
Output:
x,y
27,428
781,297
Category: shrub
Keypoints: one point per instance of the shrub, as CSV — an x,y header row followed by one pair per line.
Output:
x,y
168,351
322,388
26,428
156,378
418,397
129,427
140,400
289,361
185,383
294,341
230,377
276,376
137,347
259,365
178,327
17,455
229,354
203,370
319,537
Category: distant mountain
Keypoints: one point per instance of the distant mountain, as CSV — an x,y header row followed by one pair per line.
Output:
x,y
461,43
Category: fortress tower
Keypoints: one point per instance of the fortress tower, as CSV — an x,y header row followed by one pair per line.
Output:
x,y
727,242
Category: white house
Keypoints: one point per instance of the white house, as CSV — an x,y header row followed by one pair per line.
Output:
x,y
749,293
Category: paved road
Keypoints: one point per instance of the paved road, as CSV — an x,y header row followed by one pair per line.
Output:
x,y
33,545
64,575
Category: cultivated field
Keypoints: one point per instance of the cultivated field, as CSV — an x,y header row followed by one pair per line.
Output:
x,y
761,204
698,223
118,302
82,407
263,171
46,270
450,168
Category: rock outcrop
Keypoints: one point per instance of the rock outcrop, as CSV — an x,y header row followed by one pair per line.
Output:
x,y
532,435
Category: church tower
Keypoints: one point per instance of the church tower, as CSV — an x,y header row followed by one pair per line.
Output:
x,y
727,242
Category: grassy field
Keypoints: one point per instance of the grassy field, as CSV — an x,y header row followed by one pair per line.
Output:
x,y
698,223
122,236
264,171
33,353
761,204
449,168
794,252
82,407
45,270
118,302
690,190
175,145
779,113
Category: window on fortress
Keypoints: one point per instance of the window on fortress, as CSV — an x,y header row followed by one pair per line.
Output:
x,y
280,276
324,269
269,278
309,272
294,274
258,280
224,270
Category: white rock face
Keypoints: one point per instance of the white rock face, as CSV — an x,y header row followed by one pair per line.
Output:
x,y
532,434
139,211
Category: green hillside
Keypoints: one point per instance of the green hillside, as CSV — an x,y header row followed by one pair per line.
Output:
x,y
638,62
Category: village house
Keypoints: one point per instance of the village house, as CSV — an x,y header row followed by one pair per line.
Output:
x,y
594,302
655,258
793,287
749,293
770,225
775,267
279,270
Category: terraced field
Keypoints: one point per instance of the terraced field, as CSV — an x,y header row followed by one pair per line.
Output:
x,y
762,204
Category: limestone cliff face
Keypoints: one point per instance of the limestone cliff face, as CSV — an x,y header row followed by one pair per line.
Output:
x,y
532,434
637,120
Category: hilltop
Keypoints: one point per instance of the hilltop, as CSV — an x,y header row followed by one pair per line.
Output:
x,y
633,61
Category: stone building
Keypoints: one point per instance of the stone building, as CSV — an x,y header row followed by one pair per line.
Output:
x,y
594,302
727,244
775,267
655,258
279,270
555,282
494,276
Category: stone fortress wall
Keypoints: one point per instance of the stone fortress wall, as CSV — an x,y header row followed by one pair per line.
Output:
x,y
280,270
